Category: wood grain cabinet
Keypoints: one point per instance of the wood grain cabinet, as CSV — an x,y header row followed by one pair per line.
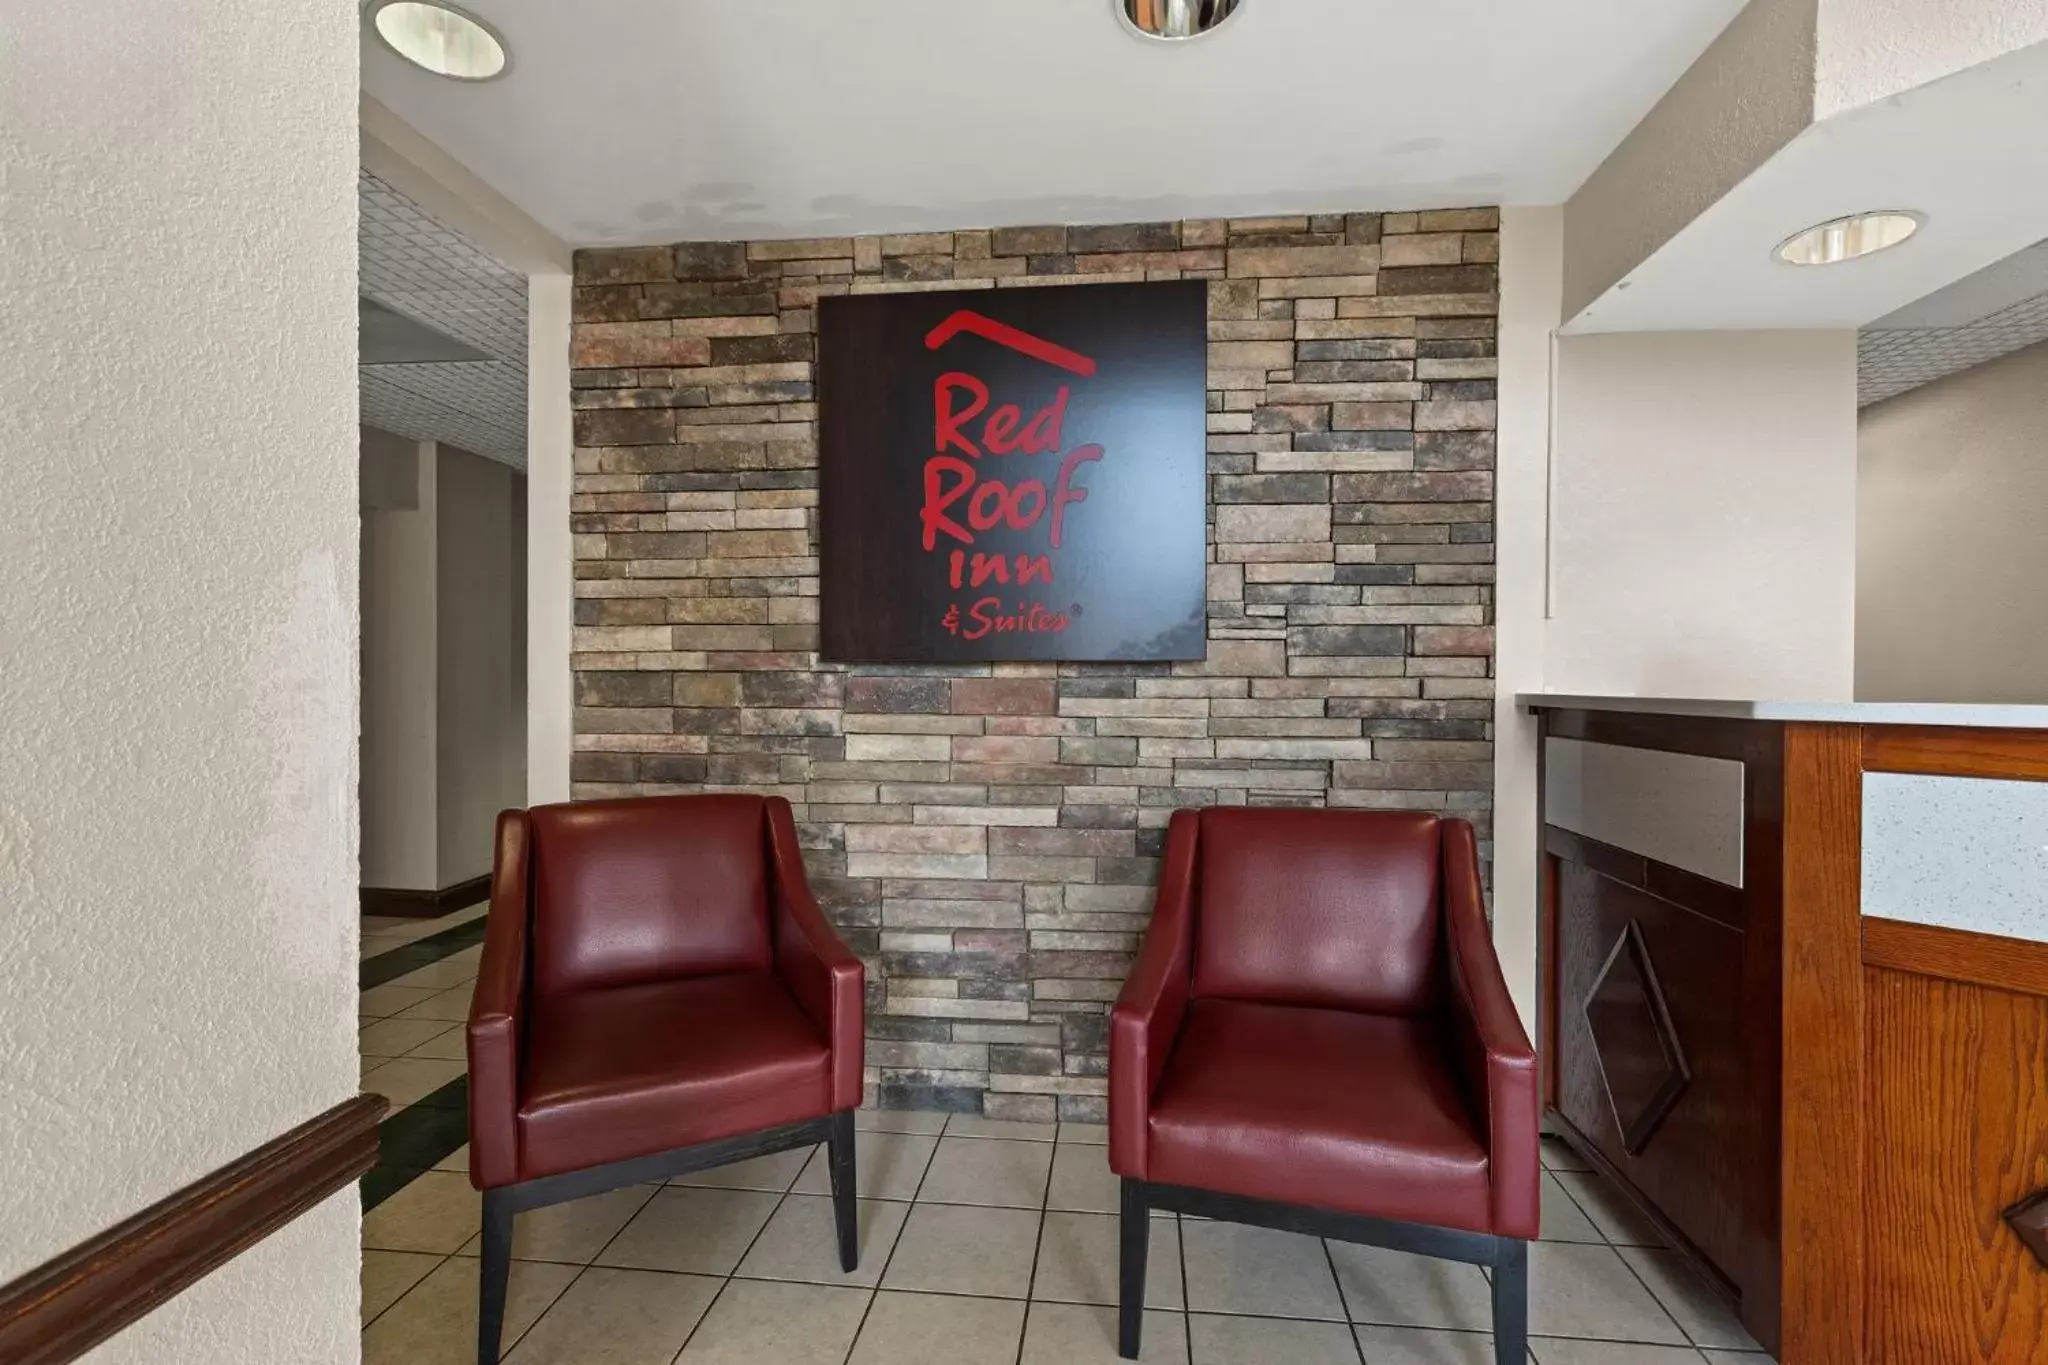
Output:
x,y
1956,1048
1839,1116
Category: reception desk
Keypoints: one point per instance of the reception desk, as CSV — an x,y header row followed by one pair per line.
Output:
x,y
1795,1003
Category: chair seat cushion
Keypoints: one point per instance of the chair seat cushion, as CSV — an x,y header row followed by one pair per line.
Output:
x,y
627,1071
1345,1111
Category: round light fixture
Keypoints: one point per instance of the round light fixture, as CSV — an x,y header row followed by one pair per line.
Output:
x,y
1175,19
440,38
1844,239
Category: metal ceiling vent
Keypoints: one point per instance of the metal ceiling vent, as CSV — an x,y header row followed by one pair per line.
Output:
x,y
1175,19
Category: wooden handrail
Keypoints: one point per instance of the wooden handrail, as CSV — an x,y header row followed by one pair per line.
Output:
x,y
70,1304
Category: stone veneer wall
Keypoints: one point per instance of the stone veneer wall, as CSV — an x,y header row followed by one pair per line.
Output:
x,y
987,837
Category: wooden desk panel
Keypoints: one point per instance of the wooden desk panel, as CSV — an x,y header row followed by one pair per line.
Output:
x,y
1692,1166
1958,1134
1873,1183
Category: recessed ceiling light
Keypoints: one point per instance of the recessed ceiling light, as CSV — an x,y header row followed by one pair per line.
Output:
x,y
440,38
1844,239
1175,18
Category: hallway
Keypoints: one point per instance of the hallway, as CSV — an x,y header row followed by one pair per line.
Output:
x,y
981,1241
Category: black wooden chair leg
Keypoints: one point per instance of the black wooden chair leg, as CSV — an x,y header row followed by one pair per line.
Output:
x,y
845,1202
497,1269
1511,1304
1136,1232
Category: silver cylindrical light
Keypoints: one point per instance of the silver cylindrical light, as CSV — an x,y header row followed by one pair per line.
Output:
x,y
1175,18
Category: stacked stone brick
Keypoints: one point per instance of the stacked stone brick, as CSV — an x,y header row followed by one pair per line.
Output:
x,y
987,837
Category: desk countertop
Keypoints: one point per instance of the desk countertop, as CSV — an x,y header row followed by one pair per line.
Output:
x,y
1818,712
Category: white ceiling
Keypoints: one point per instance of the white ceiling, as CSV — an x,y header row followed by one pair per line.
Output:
x,y
639,121
415,266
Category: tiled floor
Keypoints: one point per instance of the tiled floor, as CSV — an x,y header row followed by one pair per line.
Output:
x,y
980,1241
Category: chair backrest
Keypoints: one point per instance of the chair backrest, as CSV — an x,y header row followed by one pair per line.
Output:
x,y
648,889
1319,907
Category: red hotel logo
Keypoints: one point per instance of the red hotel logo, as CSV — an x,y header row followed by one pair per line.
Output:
x,y
961,501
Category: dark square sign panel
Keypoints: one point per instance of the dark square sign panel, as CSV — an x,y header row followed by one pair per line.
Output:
x,y
1013,474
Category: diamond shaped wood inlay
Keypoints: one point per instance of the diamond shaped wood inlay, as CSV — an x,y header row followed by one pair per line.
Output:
x,y
1637,1047
2029,1221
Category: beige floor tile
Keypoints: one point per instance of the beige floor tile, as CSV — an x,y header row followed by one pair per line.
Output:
x,y
396,1037
1559,1155
987,1171
435,1324
388,1274
801,1242
1738,1358
406,1080
757,1323
440,975
933,1329
1423,1346
1090,1134
1232,1268
776,1172
617,1317
571,1233
451,1004
1610,1212
1586,1291
435,1212
1081,1334
1082,1181
457,1160
704,1232
885,1166
1704,1315
1565,1351
961,1249
899,1121
1399,1289
384,1001
1563,1219
974,1125
1255,1341
1079,1254
452,1044
386,937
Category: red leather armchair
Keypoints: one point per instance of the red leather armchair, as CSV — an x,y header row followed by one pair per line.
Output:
x,y
1316,1036
658,993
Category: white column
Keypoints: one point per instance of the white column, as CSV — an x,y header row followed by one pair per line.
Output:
x,y
1531,302
549,556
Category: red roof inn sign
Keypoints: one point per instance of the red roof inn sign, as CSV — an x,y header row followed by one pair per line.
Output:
x,y
1013,474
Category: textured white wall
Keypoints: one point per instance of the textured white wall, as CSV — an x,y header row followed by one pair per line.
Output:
x,y
1703,541
178,602
1749,94
1951,557
1870,49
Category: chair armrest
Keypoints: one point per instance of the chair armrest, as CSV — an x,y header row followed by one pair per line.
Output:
x,y
1493,1050
497,1010
815,966
1154,1000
